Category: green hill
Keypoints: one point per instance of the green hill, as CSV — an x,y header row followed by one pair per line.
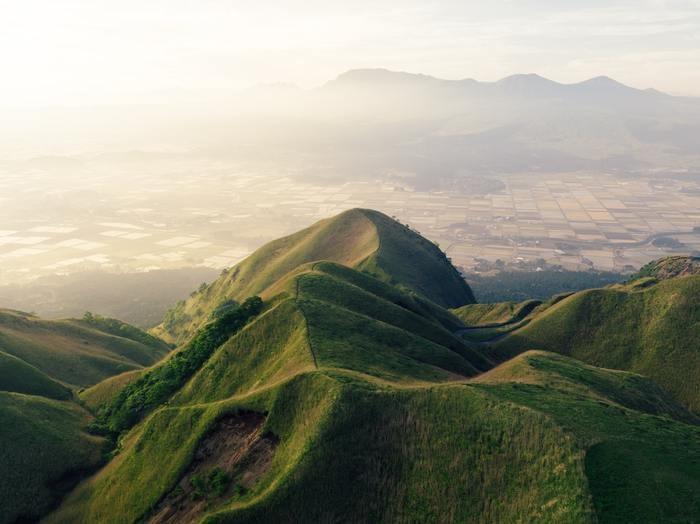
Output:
x,y
495,314
362,239
19,377
325,444
649,327
324,380
44,449
43,453
348,399
105,391
77,352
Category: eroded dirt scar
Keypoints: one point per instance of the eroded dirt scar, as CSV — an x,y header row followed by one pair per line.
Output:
x,y
228,462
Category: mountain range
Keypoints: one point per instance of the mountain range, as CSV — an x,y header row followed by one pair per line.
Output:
x,y
411,129
436,133
345,373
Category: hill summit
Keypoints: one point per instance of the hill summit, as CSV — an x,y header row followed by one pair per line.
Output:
x,y
363,239
323,380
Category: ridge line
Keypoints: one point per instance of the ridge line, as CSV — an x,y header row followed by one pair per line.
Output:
x,y
306,323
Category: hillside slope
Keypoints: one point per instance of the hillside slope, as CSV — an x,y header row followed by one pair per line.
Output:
x,y
323,444
19,377
43,453
345,398
362,239
649,327
44,447
77,352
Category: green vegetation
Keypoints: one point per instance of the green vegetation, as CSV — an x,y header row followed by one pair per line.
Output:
x,y
121,329
44,450
19,377
348,396
42,454
502,449
669,267
155,386
210,485
517,286
430,273
496,314
640,467
365,390
652,330
106,391
359,238
75,352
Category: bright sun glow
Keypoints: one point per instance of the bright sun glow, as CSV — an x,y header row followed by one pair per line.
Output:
x,y
79,51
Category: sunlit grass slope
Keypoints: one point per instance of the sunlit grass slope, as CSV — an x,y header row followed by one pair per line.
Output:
x,y
536,441
345,396
330,316
106,390
74,352
642,462
495,314
363,239
366,394
42,449
652,329
409,261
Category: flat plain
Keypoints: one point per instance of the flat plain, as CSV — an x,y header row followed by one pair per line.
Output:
x,y
193,213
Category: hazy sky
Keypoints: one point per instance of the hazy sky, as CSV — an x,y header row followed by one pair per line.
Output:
x,y
99,51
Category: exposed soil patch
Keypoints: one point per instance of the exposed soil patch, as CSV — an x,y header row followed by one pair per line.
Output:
x,y
227,463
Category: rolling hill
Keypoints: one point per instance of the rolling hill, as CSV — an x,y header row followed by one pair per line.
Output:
x,y
345,395
44,446
363,239
44,452
648,326
77,352
19,377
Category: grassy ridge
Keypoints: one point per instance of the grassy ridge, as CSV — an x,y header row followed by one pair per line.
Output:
x,y
157,452
19,377
44,450
371,429
358,238
271,349
640,467
72,352
380,414
370,464
155,386
498,450
652,331
429,273
495,314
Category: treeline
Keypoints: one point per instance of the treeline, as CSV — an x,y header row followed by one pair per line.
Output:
x,y
155,387
541,285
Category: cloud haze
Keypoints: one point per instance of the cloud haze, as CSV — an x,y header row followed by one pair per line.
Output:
x,y
77,52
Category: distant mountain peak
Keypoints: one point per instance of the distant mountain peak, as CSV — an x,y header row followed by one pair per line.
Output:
x,y
379,76
526,77
530,84
604,82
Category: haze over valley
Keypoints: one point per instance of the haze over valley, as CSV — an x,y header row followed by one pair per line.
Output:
x,y
382,262
594,175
